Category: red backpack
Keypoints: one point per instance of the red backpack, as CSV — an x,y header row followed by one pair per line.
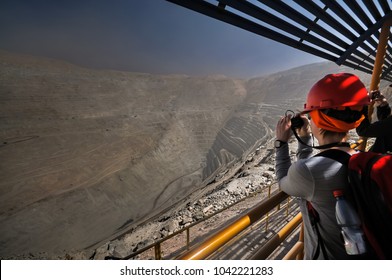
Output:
x,y
370,177
370,180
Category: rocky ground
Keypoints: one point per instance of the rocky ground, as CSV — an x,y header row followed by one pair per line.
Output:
x,y
250,179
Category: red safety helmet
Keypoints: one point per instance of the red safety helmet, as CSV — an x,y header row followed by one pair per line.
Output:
x,y
337,90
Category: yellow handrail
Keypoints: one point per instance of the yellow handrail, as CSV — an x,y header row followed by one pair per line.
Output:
x,y
294,251
297,251
277,239
228,233
222,237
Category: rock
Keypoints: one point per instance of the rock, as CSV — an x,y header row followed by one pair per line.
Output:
x,y
186,220
232,187
103,251
207,209
120,251
198,216
171,226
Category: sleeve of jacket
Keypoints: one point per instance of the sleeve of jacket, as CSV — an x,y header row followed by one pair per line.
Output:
x,y
294,179
383,112
304,151
283,160
376,129
363,128
299,181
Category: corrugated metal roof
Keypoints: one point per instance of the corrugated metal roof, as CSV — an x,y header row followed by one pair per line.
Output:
x,y
345,32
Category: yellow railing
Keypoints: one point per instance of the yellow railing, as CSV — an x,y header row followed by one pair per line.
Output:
x,y
277,239
156,246
297,251
223,236
216,241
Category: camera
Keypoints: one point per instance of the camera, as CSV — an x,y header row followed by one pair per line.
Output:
x,y
375,94
296,121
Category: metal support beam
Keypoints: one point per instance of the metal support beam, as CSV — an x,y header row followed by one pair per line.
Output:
x,y
158,253
346,35
380,55
361,39
377,69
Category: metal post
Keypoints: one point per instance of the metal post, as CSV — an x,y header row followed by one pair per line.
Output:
x,y
288,206
301,239
157,248
267,216
380,55
187,238
377,69
267,222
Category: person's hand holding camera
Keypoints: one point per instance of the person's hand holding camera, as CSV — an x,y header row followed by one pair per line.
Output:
x,y
300,124
378,99
304,130
283,129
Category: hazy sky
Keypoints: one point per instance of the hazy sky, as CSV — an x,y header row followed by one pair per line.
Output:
x,y
152,36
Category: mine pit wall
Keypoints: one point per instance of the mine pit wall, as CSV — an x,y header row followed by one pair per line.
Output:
x,y
234,142
87,153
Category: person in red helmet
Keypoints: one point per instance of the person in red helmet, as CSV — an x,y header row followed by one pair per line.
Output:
x,y
334,105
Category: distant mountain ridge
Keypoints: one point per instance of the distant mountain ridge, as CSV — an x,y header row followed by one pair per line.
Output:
x,y
86,152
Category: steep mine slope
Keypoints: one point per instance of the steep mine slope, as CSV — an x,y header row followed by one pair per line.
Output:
x,y
84,152
87,153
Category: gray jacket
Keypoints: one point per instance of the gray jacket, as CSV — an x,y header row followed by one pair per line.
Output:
x,y
314,179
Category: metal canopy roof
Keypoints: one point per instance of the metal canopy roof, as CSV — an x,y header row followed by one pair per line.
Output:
x,y
344,31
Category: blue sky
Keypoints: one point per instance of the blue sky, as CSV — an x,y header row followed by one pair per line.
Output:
x,y
150,36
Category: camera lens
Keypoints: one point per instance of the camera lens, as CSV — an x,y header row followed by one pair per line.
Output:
x,y
297,122
376,94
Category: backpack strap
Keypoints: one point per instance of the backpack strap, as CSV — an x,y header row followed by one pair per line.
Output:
x,y
314,220
343,158
335,154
